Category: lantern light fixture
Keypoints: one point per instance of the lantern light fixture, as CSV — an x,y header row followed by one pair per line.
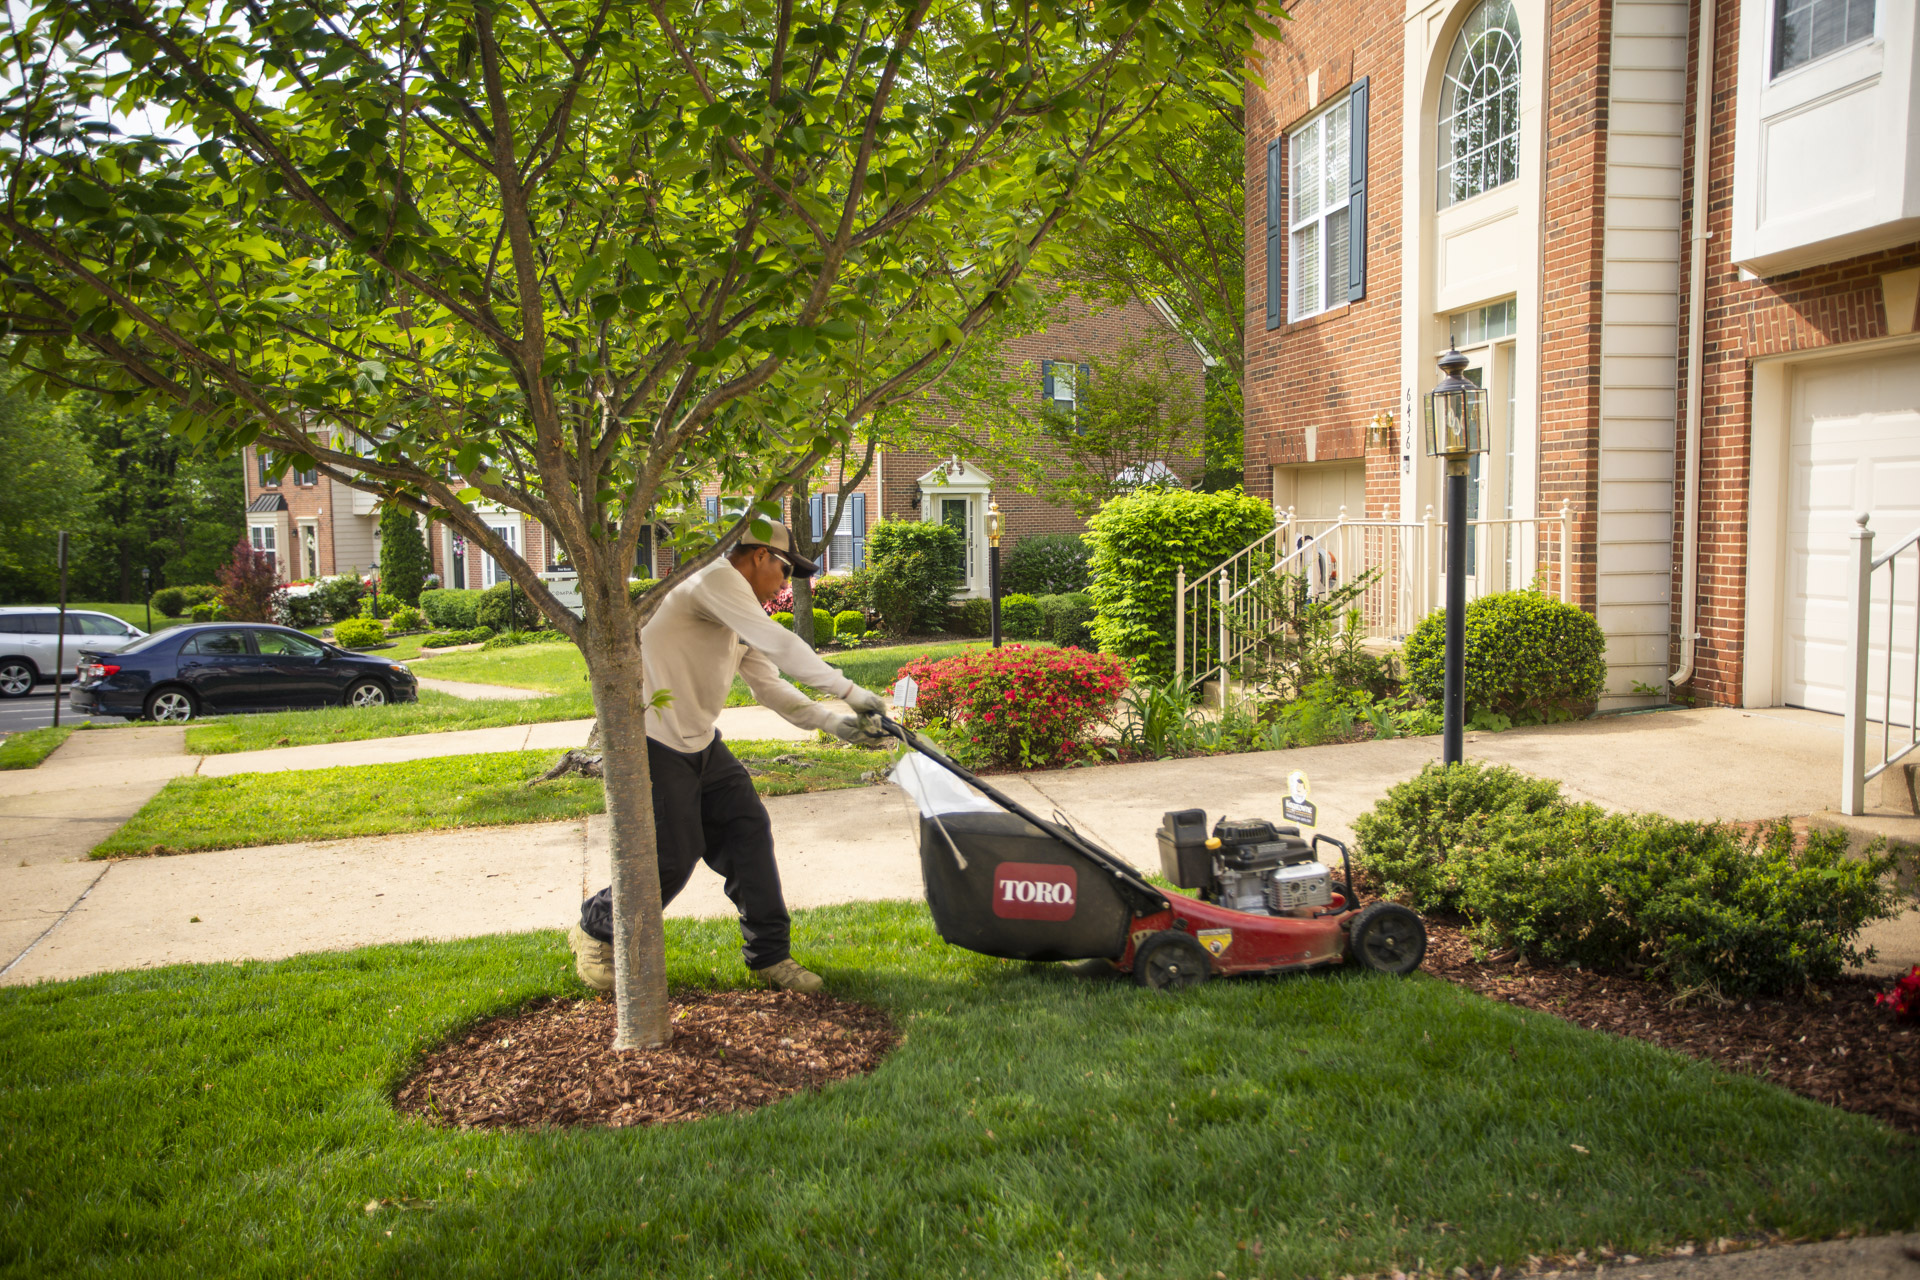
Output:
x,y
1456,412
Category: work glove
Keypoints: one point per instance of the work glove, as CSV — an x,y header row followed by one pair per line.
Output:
x,y
865,701
854,730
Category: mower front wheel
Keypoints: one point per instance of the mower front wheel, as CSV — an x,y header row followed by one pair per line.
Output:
x,y
1389,938
1170,961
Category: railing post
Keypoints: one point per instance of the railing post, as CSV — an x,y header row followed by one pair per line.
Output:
x,y
1180,623
1853,743
1224,599
1426,562
1566,553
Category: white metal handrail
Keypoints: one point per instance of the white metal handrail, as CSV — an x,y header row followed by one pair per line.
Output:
x,y
1855,771
1219,617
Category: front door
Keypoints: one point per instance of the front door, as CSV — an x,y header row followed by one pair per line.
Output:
x,y
957,515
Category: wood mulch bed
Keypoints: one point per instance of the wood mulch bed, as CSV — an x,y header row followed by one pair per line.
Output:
x,y
552,1063
1837,1047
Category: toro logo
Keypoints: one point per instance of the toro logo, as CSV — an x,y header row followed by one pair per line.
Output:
x,y
1034,891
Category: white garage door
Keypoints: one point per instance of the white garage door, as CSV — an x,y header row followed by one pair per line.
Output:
x,y
1317,493
1855,446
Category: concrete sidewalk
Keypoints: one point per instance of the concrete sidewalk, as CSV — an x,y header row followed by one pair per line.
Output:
x,y
860,844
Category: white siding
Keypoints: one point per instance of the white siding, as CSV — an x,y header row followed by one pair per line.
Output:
x,y
355,541
1639,339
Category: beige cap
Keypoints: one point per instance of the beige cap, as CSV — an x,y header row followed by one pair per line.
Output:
x,y
780,539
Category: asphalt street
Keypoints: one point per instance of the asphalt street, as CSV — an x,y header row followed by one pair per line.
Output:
x,y
36,711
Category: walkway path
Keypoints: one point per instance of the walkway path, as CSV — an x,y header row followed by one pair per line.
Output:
x,y
859,844
468,689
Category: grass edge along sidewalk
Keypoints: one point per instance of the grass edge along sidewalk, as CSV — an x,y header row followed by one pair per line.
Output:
x,y
27,748
487,789
236,1117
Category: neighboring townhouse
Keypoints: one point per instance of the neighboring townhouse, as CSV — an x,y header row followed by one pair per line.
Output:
x,y
956,488
1521,176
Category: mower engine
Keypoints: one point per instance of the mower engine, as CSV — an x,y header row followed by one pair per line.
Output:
x,y
1248,864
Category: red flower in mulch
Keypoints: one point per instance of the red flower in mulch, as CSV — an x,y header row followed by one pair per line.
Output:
x,y
1904,999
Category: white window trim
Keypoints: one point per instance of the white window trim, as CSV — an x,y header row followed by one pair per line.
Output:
x,y
1332,298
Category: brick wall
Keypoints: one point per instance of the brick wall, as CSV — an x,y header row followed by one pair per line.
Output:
x,y
1334,371
1572,240
1745,320
304,502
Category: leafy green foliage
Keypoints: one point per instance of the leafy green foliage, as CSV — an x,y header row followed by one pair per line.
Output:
x,y
822,626
170,601
1047,564
1067,619
1138,543
784,618
1020,617
839,592
972,616
50,485
444,639
1528,656
917,566
1697,904
1312,638
451,608
407,618
404,563
504,607
1157,719
358,633
340,596
849,624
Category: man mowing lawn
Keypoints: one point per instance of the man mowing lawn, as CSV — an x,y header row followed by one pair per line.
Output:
x,y
704,805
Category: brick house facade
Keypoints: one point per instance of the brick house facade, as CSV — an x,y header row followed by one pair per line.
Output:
x,y
1560,263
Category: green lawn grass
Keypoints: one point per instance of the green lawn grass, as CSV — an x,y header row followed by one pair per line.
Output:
x,y
434,713
135,614
26,749
246,809
236,1119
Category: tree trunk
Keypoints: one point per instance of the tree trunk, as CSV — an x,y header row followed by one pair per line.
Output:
x,y
612,651
801,530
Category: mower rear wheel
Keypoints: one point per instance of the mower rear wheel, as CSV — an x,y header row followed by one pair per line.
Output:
x,y
1389,938
1170,961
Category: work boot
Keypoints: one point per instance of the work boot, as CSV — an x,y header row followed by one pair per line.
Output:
x,y
592,958
788,975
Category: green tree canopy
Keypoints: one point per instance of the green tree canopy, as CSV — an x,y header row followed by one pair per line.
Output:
x,y
573,259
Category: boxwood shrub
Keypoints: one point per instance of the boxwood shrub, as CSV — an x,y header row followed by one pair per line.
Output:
x,y
1047,564
1700,905
505,607
451,608
1020,617
849,624
1138,543
971,617
1528,656
358,633
1067,620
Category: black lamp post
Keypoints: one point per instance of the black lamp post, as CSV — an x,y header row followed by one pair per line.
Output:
x,y
993,568
1456,430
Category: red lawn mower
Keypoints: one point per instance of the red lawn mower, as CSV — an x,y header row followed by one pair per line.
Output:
x,y
1006,882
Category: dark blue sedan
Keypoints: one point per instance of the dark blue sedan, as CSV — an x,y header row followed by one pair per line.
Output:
x,y
222,667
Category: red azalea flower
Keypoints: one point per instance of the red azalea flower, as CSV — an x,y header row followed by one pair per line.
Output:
x,y
1904,999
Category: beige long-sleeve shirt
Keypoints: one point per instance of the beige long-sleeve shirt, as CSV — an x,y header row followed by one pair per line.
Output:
x,y
709,628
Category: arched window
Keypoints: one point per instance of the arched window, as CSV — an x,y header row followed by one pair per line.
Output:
x,y
1480,105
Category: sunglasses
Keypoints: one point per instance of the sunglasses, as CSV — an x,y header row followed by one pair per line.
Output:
x,y
786,565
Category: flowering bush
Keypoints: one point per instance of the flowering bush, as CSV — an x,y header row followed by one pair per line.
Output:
x,y
781,603
1018,706
1904,999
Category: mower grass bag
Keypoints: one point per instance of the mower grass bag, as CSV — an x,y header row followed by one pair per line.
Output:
x,y
1001,886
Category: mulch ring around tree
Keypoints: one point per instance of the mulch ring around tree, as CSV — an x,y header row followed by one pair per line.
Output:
x,y
552,1063
1837,1047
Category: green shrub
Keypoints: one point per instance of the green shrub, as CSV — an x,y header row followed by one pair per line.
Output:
x,y
784,618
823,632
407,618
210,611
358,633
1138,543
1020,617
637,587
839,592
201,593
1047,564
1529,657
1408,838
1067,620
917,566
1696,904
451,608
514,639
404,562
340,595
446,639
301,611
849,624
170,602
505,607
971,617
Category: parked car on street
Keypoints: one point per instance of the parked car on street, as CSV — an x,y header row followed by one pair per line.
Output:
x,y
221,667
30,638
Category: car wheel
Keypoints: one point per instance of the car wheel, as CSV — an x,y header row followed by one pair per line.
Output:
x,y
16,678
171,706
367,693
1170,961
1389,938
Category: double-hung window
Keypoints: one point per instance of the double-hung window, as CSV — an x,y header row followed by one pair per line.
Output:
x,y
1318,224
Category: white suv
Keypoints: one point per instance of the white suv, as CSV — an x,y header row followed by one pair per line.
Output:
x,y
29,639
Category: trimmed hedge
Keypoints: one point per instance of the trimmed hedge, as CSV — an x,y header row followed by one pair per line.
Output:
x,y
451,608
1138,543
1020,617
784,618
358,633
1528,656
1696,904
839,592
174,602
917,566
849,624
408,618
1067,620
971,617
505,607
1047,564
447,639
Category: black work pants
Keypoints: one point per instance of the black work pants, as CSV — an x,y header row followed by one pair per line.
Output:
x,y
706,810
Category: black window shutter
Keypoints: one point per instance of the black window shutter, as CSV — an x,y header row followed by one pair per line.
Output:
x,y
1275,234
1085,380
1357,194
1046,380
